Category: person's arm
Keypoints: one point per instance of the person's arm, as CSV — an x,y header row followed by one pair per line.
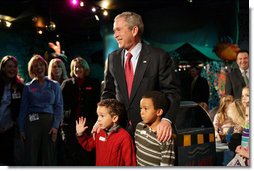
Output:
x,y
58,106
216,123
128,152
56,47
23,112
168,153
245,152
87,142
109,87
170,85
228,87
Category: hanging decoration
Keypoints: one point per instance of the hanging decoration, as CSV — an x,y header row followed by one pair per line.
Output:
x,y
226,49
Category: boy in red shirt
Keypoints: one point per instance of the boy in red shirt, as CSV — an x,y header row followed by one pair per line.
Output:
x,y
114,146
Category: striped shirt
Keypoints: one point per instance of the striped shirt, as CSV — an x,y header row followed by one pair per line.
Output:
x,y
245,135
151,152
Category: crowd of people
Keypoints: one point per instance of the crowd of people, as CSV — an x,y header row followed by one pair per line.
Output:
x,y
69,119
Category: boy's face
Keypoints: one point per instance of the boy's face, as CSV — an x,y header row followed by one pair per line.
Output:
x,y
105,120
147,111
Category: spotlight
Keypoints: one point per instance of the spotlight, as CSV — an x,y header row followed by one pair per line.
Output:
x,y
97,18
81,4
105,13
8,24
94,9
74,2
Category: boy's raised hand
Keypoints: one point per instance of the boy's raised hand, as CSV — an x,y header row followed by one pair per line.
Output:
x,y
80,125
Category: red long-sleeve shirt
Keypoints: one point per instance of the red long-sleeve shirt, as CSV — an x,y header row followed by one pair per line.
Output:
x,y
115,149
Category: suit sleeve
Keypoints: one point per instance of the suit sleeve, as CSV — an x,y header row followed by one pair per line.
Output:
x,y
228,90
169,84
108,90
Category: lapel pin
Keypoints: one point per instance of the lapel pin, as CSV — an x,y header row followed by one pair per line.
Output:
x,y
144,62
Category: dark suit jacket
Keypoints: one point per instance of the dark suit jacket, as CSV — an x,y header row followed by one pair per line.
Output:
x,y
235,83
154,71
200,92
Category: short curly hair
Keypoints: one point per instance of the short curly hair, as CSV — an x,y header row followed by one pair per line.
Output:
x,y
115,107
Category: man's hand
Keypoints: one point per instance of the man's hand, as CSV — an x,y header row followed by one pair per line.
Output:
x,y
80,125
164,131
53,133
56,47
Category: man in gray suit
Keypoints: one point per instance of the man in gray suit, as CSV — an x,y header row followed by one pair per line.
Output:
x,y
153,70
239,77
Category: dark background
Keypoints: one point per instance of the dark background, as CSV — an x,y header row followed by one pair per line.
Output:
x,y
169,24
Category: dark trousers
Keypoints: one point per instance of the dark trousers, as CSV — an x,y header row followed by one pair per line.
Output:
x,y
6,147
39,148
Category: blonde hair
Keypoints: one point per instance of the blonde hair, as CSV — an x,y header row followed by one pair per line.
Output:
x,y
236,112
223,105
247,89
31,63
83,63
60,62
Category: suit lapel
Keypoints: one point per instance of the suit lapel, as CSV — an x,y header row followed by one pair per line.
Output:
x,y
120,75
142,64
240,76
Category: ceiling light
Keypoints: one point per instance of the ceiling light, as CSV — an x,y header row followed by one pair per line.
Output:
x,y
94,9
105,4
97,18
8,24
105,13
81,4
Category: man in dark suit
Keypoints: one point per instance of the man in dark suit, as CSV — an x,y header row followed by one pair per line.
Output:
x,y
235,80
199,87
153,70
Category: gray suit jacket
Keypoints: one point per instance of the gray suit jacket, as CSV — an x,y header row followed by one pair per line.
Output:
x,y
154,71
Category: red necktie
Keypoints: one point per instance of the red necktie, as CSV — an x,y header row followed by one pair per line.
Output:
x,y
129,73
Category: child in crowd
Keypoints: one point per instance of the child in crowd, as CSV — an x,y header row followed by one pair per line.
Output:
x,y
114,146
243,149
222,122
236,112
151,152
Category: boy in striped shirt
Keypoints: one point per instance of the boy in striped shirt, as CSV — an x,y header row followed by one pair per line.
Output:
x,y
150,151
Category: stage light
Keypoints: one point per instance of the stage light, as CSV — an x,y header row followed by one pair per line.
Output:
x,y
105,4
105,13
81,4
74,2
39,31
97,18
8,24
94,9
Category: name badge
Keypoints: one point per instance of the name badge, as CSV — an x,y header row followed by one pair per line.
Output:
x,y
143,132
102,138
16,95
33,117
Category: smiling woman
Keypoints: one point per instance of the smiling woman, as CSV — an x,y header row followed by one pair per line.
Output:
x,y
10,94
40,115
